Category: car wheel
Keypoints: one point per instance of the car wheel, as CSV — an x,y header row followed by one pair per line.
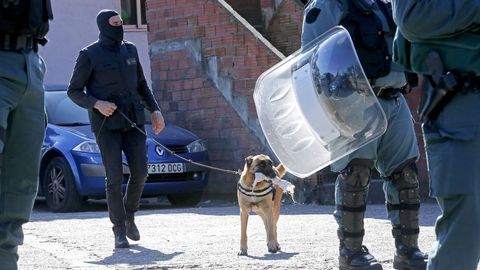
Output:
x,y
188,199
59,186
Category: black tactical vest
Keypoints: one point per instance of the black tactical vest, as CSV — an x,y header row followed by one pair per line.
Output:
x,y
367,33
114,78
25,18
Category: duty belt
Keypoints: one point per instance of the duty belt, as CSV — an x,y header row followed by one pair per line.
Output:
x,y
388,92
15,43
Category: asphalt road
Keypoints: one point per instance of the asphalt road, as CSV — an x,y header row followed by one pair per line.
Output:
x,y
204,237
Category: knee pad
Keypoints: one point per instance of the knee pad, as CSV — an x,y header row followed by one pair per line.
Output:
x,y
405,181
356,176
353,183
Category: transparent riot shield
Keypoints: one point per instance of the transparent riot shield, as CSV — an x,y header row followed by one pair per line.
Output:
x,y
317,106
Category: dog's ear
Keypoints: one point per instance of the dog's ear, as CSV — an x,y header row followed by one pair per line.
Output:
x,y
280,169
249,160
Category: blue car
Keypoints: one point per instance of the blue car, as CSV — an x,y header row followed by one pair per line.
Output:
x,y
71,169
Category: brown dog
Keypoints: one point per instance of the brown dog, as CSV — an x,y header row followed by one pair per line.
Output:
x,y
264,199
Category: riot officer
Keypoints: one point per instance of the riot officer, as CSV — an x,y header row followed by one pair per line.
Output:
x,y
115,89
394,154
441,41
23,25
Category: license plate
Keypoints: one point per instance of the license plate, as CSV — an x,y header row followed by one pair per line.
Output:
x,y
159,168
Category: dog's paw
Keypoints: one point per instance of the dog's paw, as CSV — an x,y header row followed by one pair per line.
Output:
x,y
273,248
242,253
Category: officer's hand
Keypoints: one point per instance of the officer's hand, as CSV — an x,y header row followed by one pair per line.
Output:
x,y
104,107
157,122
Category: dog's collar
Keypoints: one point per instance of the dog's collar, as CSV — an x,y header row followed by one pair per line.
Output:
x,y
255,193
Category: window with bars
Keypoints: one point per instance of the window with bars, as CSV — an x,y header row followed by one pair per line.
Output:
x,y
133,14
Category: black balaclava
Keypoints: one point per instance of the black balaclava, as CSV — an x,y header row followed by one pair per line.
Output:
x,y
112,35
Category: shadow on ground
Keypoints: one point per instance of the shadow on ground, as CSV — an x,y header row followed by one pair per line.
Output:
x,y
275,257
135,255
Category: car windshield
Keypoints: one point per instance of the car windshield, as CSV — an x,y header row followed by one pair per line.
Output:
x,y
62,111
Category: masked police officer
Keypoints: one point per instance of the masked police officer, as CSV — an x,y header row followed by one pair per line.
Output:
x,y
372,29
441,41
23,25
110,71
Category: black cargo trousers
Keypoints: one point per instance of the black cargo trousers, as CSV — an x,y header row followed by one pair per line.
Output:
x,y
133,143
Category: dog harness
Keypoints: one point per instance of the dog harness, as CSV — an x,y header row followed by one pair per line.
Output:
x,y
255,193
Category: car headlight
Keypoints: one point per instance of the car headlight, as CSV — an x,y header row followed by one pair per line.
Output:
x,y
87,147
196,146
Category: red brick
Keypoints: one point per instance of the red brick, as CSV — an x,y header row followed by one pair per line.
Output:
x,y
209,31
219,52
203,20
198,83
216,42
184,33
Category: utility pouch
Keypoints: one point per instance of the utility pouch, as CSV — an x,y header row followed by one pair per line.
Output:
x,y
441,88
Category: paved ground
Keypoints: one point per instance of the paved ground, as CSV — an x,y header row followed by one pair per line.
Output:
x,y
205,237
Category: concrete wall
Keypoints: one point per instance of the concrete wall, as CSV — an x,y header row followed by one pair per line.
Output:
x,y
74,27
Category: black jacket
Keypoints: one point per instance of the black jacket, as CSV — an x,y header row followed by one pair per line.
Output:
x,y
112,72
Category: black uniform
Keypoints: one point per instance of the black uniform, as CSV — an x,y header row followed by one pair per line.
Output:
x,y
110,70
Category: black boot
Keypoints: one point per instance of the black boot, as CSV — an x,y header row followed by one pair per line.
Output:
x,y
132,230
410,258
357,260
407,254
120,237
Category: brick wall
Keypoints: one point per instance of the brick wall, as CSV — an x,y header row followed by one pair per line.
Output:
x,y
285,26
205,61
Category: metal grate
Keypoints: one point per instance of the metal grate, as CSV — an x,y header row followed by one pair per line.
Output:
x,y
178,149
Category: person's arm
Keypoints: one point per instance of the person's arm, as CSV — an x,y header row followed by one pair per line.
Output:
x,y
420,20
143,89
158,123
80,76
320,16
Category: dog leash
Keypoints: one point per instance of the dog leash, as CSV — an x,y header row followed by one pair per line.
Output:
x,y
134,125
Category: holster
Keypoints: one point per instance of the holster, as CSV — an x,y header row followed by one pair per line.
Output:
x,y
440,88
